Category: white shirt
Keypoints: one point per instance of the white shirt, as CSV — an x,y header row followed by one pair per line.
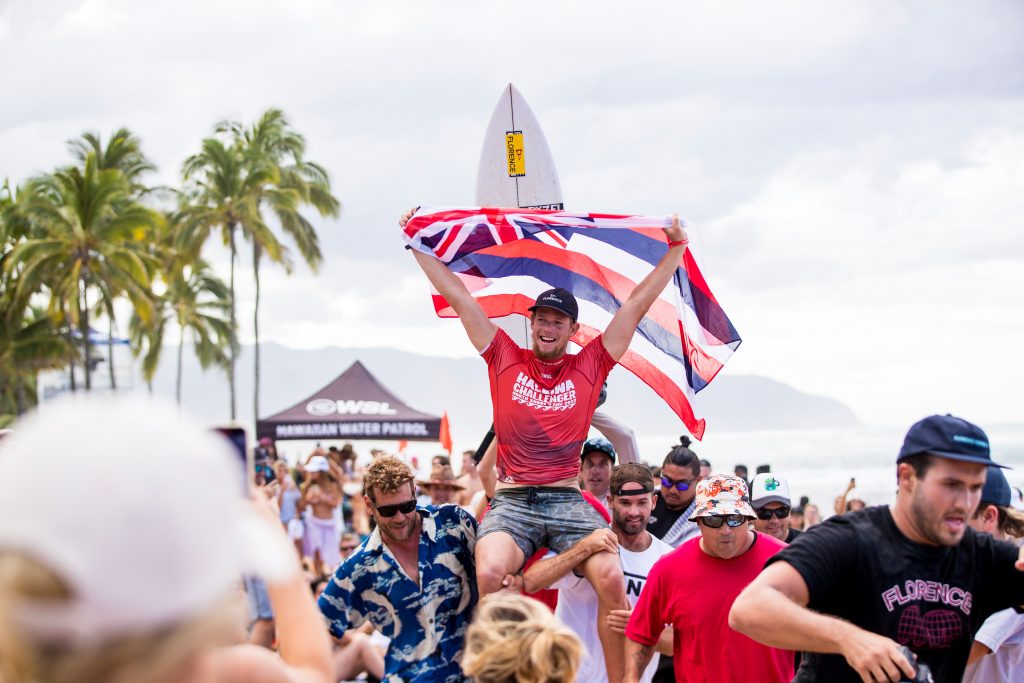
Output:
x,y
1003,633
577,607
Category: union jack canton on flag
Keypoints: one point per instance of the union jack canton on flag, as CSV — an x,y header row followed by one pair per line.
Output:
x,y
507,257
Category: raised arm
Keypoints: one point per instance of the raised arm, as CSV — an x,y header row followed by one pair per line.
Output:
x,y
478,326
773,610
620,330
303,645
621,436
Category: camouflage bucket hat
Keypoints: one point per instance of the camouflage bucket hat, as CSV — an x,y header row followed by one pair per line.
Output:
x,y
722,494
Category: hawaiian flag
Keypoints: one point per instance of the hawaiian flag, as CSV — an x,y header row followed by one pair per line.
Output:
x,y
507,257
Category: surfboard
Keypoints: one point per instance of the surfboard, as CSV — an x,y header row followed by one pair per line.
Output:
x,y
516,169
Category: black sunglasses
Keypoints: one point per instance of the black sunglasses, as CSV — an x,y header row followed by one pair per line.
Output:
x,y
669,483
716,521
765,513
392,510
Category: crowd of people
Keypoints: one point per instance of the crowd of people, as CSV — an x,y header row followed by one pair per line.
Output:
x,y
557,557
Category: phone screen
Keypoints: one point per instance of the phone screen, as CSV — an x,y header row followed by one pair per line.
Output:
x,y
236,437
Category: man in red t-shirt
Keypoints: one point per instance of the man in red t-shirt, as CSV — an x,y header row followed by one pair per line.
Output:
x,y
716,566
543,400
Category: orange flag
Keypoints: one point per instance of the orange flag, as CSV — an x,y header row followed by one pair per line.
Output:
x,y
402,445
446,433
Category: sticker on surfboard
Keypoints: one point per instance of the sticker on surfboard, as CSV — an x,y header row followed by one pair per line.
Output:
x,y
514,151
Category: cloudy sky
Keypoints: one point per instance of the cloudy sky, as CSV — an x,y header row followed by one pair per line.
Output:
x,y
855,170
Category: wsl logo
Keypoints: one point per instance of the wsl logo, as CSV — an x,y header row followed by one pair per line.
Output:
x,y
321,407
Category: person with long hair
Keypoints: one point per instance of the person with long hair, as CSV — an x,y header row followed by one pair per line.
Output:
x,y
515,639
124,572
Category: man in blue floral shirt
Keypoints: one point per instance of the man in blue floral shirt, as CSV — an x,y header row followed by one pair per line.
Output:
x,y
413,579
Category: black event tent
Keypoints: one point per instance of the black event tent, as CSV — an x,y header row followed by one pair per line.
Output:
x,y
354,406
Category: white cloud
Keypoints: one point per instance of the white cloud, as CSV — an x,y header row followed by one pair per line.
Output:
x,y
855,169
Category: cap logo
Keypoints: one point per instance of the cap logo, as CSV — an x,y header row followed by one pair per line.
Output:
x,y
771,484
970,441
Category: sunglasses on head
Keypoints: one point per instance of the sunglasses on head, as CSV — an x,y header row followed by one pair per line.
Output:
x,y
392,510
765,513
716,521
669,483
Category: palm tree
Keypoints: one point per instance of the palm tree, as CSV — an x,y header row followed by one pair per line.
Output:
x,y
29,338
194,299
299,182
30,341
222,194
241,178
123,152
91,239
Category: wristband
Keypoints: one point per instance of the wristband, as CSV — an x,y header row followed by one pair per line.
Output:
x,y
678,243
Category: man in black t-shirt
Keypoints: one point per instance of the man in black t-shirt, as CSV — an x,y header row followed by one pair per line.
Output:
x,y
854,589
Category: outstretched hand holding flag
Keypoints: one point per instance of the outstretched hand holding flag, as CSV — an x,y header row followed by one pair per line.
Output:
x,y
506,257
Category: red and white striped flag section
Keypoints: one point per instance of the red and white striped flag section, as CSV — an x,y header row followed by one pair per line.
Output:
x,y
507,257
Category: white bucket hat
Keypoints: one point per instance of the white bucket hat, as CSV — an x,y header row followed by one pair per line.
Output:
x,y
138,509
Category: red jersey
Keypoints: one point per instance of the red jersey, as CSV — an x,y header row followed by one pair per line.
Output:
x,y
542,409
704,648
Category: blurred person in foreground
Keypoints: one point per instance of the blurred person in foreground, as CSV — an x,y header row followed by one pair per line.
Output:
x,y
515,639
693,588
855,588
997,654
140,583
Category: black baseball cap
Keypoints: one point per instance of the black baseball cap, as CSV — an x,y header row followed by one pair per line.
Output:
x,y
599,444
560,300
996,490
950,437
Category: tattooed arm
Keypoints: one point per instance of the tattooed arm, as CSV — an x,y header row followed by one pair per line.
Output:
x,y
638,656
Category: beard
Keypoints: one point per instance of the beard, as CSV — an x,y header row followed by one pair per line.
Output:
x,y
631,527
400,535
930,523
550,355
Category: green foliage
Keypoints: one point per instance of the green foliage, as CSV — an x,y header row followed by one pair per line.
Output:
x,y
243,180
76,241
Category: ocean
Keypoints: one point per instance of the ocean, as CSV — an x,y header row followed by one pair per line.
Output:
x,y
820,463
817,463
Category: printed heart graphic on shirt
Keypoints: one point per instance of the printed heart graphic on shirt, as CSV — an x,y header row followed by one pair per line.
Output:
x,y
938,629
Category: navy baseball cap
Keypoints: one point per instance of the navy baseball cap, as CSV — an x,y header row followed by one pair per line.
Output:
x,y
948,437
599,444
560,300
997,489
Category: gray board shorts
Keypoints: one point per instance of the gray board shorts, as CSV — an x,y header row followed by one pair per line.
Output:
x,y
541,517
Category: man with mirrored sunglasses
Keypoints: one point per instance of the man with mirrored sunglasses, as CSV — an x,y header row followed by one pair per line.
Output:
x,y
693,588
680,472
414,579
769,496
